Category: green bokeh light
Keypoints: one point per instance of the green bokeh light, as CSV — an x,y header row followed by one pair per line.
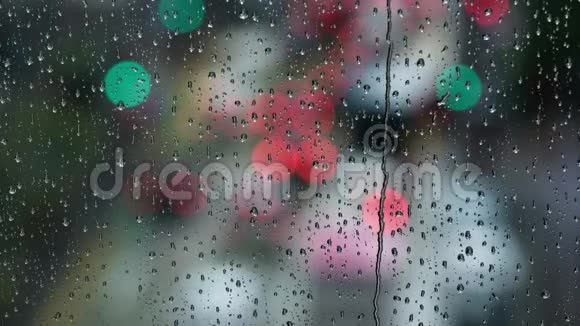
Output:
x,y
181,15
127,83
458,87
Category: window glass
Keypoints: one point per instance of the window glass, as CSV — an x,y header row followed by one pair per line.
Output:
x,y
289,162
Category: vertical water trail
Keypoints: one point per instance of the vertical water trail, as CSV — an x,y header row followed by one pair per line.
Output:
x,y
381,214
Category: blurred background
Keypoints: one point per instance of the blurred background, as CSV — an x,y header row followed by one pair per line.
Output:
x,y
271,116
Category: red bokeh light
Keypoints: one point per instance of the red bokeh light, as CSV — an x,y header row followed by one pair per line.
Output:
x,y
487,12
274,150
300,115
317,160
396,210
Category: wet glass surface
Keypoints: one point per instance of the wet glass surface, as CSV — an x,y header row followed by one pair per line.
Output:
x,y
200,162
